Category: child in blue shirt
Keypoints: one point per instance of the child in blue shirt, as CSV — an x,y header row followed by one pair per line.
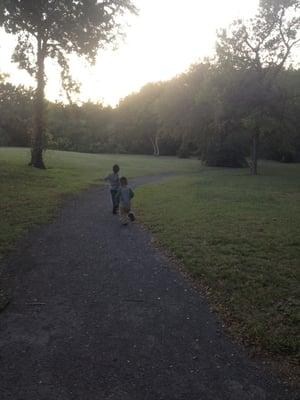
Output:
x,y
124,195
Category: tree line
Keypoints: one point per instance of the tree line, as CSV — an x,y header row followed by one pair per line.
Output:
x,y
240,105
202,113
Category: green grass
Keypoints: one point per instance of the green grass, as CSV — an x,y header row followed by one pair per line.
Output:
x,y
29,196
240,237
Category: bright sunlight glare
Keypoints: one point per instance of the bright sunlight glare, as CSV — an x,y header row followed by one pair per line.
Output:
x,y
163,40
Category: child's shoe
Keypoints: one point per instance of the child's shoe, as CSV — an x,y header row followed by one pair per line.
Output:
x,y
131,216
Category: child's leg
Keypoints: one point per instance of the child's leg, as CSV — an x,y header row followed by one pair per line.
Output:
x,y
114,200
123,215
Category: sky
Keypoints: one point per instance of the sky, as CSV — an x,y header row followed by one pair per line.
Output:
x,y
162,41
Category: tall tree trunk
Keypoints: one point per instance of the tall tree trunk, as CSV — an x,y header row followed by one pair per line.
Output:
x,y
153,145
154,142
39,111
254,152
157,146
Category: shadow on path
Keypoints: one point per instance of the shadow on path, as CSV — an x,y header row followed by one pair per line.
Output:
x,y
98,313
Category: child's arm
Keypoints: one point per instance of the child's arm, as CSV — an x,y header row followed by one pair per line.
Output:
x,y
131,193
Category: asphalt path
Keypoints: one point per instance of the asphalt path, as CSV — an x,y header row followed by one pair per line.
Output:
x,y
97,312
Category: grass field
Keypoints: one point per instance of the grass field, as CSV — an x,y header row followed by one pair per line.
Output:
x,y
240,237
29,196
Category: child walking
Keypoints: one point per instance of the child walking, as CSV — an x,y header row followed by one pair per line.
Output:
x,y
114,181
125,194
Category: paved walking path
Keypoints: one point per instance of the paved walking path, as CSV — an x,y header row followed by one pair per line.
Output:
x,y
98,313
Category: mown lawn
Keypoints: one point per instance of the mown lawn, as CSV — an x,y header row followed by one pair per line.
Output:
x,y
29,196
236,234
240,237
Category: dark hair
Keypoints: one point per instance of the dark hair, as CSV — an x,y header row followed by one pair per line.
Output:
x,y
116,168
123,180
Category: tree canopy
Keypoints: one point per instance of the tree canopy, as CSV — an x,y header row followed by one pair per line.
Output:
x,y
260,49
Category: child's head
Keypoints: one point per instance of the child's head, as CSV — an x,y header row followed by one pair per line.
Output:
x,y
123,181
116,168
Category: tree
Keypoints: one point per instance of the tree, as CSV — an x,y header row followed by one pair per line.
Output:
x,y
260,48
15,110
56,29
148,113
176,109
282,141
138,121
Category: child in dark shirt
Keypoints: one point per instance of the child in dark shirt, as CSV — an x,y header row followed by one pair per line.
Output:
x,y
114,181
